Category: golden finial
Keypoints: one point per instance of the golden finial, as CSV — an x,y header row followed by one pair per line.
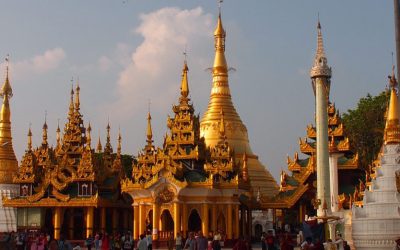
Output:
x,y
58,133
44,142
71,104
392,128
89,136
77,100
184,84
149,132
99,146
6,90
119,142
29,138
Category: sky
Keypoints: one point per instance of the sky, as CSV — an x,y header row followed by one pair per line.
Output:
x,y
127,52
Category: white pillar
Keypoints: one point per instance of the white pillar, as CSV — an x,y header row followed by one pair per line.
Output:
x,y
333,170
8,215
321,105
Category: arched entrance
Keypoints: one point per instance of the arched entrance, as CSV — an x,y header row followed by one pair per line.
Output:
x,y
149,221
221,225
48,222
194,221
167,225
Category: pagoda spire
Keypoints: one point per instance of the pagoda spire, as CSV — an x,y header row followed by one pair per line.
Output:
x,y
220,99
29,139
149,131
44,133
71,104
77,99
392,128
8,161
119,147
89,136
99,147
184,83
58,134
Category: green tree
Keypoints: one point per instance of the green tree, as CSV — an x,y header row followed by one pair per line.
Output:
x,y
365,125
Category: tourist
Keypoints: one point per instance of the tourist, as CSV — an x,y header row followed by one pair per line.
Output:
x,y
149,239
127,242
270,241
170,242
52,244
178,242
191,243
201,241
20,241
216,241
307,244
105,242
89,242
339,242
117,242
142,243
263,245
63,244
97,242
34,243
42,242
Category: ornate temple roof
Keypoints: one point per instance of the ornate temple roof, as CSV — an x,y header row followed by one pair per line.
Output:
x,y
235,131
71,174
8,161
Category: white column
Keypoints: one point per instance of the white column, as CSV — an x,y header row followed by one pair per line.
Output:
x,y
321,105
333,170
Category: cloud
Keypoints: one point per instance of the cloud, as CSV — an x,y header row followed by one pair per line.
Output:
x,y
154,68
119,57
51,59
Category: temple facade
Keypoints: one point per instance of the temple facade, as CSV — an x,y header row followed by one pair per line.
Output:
x,y
69,189
205,176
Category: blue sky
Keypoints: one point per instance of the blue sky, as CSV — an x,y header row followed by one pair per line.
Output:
x,y
127,52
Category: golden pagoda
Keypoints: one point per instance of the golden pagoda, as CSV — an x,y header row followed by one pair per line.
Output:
x,y
69,189
260,179
8,161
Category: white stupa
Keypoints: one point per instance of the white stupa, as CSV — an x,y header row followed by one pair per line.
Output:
x,y
376,225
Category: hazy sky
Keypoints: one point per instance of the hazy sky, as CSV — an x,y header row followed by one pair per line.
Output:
x,y
126,52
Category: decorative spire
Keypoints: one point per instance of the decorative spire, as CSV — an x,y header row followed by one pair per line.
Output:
x,y
89,136
108,133
77,100
149,132
99,146
58,134
44,135
320,66
119,142
220,65
392,128
8,161
71,104
29,139
184,84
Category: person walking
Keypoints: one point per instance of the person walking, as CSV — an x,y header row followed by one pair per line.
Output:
x,y
142,243
201,242
178,242
191,243
89,242
149,239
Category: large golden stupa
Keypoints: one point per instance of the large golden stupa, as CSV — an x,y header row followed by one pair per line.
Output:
x,y
236,132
